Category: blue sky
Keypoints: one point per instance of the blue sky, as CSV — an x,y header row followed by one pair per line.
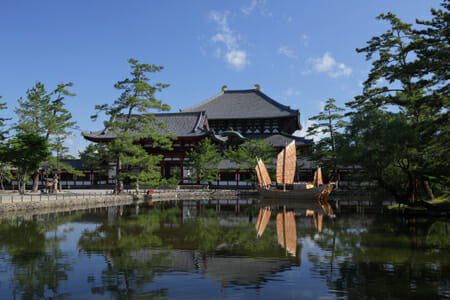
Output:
x,y
300,52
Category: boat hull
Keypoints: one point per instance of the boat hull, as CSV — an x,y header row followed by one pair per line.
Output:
x,y
300,194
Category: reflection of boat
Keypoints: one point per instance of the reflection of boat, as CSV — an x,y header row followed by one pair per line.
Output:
x,y
305,192
286,228
287,232
263,220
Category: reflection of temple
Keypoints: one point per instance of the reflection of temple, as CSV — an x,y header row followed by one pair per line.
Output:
x,y
226,269
228,119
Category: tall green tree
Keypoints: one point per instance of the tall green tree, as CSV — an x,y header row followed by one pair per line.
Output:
x,y
246,154
5,168
369,143
44,113
3,130
406,76
327,123
133,123
94,156
26,152
204,160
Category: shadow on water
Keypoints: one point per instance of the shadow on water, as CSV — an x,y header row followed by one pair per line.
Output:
x,y
211,249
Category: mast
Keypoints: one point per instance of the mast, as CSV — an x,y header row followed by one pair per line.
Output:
x,y
284,169
286,164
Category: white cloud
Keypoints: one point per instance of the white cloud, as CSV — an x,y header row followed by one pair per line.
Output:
x,y
292,92
304,130
259,5
324,63
341,70
306,72
236,58
284,50
233,55
305,39
328,64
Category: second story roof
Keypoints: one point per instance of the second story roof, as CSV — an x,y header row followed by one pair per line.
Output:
x,y
187,124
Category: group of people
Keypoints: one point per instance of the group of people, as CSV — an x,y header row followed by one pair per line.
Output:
x,y
51,185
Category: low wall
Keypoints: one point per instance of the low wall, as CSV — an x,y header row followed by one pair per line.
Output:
x,y
101,199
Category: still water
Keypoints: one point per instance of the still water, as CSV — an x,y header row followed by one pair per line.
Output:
x,y
204,250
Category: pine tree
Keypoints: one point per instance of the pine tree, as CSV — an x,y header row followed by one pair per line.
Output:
x,y
328,122
44,113
133,123
204,160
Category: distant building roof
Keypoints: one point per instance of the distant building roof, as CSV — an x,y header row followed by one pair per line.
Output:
x,y
243,104
187,124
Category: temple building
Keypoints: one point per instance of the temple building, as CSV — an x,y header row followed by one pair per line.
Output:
x,y
228,118
253,115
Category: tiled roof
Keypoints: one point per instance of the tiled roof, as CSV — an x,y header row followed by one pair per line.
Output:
x,y
187,124
243,104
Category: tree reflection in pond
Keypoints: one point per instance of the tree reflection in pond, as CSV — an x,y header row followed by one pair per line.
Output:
x,y
37,262
391,258
126,274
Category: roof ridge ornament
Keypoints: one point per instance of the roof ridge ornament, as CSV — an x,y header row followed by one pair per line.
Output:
x,y
258,87
224,88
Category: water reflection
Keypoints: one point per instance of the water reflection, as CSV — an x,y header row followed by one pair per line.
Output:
x,y
163,250
32,251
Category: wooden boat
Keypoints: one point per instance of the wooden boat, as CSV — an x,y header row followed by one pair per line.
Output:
x,y
315,192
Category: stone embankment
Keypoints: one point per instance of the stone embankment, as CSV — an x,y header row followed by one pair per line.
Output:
x,y
94,198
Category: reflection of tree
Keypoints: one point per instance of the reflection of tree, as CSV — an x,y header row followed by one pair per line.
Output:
x,y
384,258
206,233
128,273
38,264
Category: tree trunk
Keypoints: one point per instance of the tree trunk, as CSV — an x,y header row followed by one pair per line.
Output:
x,y
35,182
119,182
429,190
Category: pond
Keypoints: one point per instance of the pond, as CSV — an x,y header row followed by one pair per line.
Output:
x,y
211,250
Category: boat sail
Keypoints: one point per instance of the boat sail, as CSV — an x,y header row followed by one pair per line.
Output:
x,y
262,174
286,164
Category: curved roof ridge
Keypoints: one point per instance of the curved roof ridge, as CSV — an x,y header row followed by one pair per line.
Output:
x,y
191,109
276,103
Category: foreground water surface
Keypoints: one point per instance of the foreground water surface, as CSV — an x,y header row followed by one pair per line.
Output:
x,y
206,250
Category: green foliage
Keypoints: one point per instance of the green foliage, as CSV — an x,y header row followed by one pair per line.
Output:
x,y
204,160
410,73
44,113
5,173
328,122
95,156
369,143
247,153
3,131
133,123
26,152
